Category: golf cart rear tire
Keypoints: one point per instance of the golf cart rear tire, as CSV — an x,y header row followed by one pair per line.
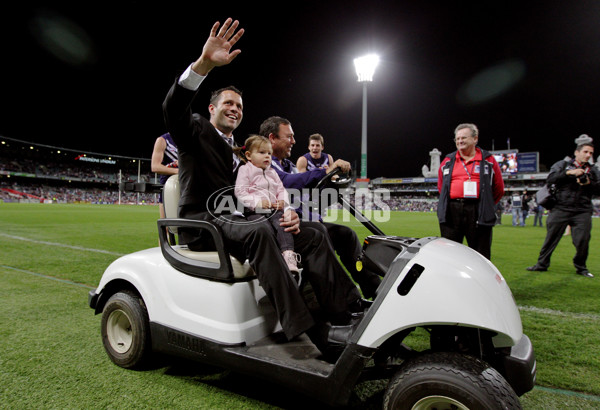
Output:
x,y
126,331
449,380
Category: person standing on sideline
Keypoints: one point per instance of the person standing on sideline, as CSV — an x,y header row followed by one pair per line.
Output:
x,y
164,162
538,212
315,158
499,212
516,201
576,182
470,185
207,164
526,198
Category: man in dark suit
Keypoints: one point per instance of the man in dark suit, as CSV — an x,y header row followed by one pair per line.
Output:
x,y
206,167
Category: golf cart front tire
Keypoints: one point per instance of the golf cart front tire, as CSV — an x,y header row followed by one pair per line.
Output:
x,y
125,330
449,381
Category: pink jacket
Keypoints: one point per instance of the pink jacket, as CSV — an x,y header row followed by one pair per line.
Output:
x,y
254,184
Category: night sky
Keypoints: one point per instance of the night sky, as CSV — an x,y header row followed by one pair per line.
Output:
x,y
92,76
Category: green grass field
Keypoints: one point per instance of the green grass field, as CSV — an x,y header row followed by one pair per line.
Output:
x,y
51,354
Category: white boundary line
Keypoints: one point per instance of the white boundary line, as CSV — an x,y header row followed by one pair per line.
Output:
x,y
533,309
570,315
62,245
41,275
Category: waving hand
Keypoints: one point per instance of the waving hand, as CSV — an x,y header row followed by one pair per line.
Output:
x,y
217,49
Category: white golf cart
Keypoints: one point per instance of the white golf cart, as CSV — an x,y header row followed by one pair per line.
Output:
x,y
209,307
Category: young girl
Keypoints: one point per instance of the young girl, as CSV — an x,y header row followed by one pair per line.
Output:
x,y
259,188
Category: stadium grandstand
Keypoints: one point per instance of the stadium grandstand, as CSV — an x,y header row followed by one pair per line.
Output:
x,y
31,172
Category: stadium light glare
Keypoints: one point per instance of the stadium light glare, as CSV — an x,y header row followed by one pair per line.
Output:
x,y
365,68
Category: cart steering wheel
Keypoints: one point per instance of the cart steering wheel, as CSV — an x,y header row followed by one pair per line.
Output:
x,y
328,181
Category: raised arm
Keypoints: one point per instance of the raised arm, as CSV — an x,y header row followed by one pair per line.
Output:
x,y
217,49
216,52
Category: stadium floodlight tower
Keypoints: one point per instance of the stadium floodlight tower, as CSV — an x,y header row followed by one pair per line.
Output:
x,y
365,68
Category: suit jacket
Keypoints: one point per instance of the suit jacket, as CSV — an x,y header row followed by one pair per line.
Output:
x,y
205,159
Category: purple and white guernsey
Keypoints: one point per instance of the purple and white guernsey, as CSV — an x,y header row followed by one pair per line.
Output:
x,y
316,163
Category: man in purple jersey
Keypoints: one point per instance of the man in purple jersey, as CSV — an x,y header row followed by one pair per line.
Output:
x,y
315,158
343,239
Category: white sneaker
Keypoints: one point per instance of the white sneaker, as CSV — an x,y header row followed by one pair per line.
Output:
x,y
291,259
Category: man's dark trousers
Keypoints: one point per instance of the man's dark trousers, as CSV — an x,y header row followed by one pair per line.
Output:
x,y
461,222
333,290
556,223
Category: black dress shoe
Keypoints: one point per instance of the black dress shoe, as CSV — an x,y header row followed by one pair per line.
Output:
x,y
536,268
369,284
585,273
355,318
339,335
359,305
330,340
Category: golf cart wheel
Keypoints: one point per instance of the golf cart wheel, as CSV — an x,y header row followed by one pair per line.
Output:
x,y
125,330
449,381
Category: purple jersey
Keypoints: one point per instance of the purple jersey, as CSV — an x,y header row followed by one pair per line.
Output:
x,y
170,155
316,163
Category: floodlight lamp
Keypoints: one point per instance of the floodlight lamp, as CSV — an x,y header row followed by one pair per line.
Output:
x,y
365,67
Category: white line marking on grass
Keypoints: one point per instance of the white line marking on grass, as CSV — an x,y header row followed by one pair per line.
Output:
x,y
571,315
41,275
569,393
62,245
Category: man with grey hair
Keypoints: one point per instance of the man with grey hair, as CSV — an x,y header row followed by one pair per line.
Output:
x,y
470,185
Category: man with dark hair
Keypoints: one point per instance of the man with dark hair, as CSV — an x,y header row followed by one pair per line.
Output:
x,y
315,158
343,239
206,166
576,181
470,185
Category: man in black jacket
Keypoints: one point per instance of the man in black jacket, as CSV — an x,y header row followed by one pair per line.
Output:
x,y
206,167
576,182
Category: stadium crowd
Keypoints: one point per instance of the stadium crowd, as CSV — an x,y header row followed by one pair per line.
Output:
x,y
46,174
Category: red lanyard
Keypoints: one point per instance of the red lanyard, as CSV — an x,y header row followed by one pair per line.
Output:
x,y
584,166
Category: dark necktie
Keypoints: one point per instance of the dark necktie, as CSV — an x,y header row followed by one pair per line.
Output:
x,y
231,143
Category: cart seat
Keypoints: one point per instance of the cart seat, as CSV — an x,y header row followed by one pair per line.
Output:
x,y
211,265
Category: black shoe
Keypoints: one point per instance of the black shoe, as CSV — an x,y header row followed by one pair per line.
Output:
x,y
339,335
369,284
536,268
585,273
359,305
330,340
356,318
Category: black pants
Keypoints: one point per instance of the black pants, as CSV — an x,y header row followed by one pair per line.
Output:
x,y
461,223
345,243
256,242
284,239
581,227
